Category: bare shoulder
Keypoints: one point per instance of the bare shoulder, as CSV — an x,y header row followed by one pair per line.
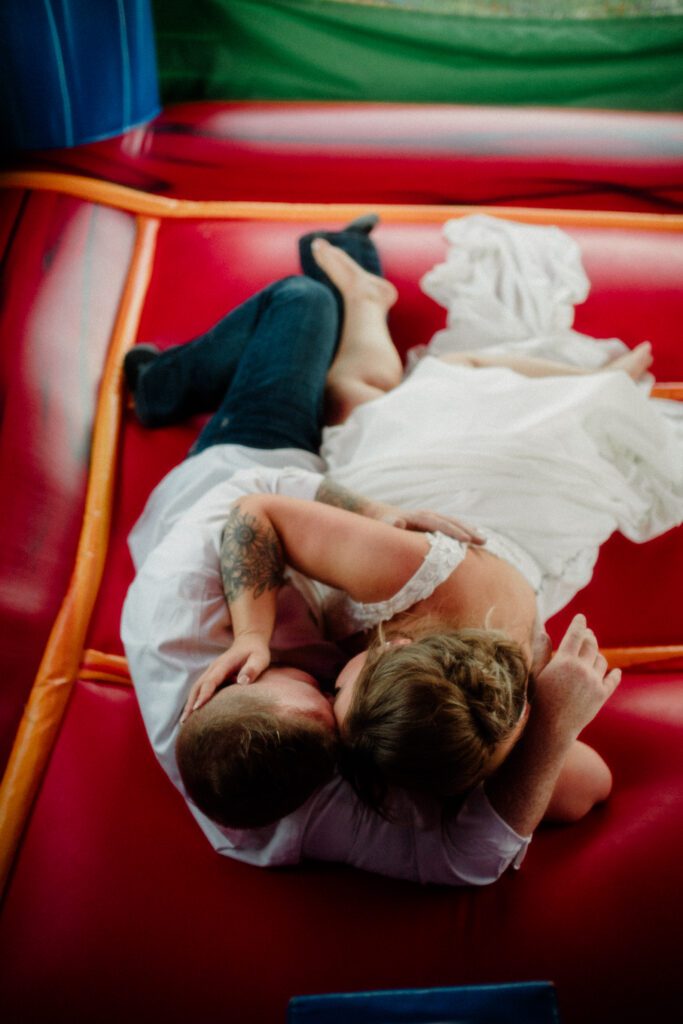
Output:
x,y
483,591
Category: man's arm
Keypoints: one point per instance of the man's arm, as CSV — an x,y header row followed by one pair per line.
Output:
x,y
252,568
368,559
570,691
421,520
362,553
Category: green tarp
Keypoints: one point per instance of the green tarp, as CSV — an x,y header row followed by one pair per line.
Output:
x,y
424,51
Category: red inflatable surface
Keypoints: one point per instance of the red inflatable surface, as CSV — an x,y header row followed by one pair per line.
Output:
x,y
396,153
120,908
64,266
116,902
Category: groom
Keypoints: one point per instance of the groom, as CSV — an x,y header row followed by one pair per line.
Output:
x,y
259,760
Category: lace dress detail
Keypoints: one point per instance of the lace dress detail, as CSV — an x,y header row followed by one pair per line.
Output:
x,y
506,549
344,616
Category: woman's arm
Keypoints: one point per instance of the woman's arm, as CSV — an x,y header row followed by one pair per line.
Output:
x,y
634,362
570,691
527,366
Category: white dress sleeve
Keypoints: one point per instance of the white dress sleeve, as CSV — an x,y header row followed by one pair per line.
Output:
x,y
344,616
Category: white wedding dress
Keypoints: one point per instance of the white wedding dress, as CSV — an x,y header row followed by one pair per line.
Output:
x,y
555,464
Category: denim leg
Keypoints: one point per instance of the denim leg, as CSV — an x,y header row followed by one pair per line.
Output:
x,y
194,377
275,399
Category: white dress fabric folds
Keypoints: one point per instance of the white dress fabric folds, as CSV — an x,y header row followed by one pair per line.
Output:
x,y
556,464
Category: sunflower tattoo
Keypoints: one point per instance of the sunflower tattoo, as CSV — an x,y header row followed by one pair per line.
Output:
x,y
251,556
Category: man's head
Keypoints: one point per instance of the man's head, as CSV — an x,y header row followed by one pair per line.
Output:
x,y
253,754
434,716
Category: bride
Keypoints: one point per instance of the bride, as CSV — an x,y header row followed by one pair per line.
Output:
x,y
546,460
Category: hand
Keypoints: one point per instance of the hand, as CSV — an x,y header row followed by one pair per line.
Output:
x,y
247,657
575,684
426,521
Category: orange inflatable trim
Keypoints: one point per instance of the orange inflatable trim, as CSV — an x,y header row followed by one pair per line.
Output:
x,y
59,667
145,204
64,659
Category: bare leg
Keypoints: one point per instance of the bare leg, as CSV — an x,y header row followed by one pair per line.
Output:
x,y
634,363
367,363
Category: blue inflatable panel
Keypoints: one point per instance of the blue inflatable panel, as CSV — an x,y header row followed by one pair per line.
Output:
x,y
531,1002
75,71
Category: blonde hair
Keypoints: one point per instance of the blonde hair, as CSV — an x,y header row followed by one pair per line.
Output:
x,y
246,764
428,716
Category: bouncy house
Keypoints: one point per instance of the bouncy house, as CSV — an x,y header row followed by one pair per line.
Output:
x,y
162,162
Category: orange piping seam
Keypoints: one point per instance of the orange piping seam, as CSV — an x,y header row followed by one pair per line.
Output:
x,y
59,666
93,675
101,658
624,657
124,198
112,668
668,389
97,666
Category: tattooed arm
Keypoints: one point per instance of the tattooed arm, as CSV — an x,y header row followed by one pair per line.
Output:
x,y
327,544
252,570
368,559
420,520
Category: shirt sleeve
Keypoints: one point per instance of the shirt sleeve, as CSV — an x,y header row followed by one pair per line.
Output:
x,y
187,492
486,844
474,848
291,482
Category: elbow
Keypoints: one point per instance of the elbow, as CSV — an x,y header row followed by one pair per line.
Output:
x,y
585,782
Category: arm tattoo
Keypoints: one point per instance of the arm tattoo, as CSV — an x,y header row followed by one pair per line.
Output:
x,y
334,494
251,556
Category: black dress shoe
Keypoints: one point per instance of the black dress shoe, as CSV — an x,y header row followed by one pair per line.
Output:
x,y
134,362
365,223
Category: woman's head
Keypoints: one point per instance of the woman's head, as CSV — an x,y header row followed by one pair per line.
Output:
x,y
433,715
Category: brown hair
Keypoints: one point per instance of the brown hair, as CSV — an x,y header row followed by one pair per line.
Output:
x,y
246,764
427,716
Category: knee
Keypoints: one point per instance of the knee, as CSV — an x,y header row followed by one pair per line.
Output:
x,y
305,290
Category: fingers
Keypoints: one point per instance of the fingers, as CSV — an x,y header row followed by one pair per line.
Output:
x,y
580,641
192,702
427,521
449,525
252,669
203,689
613,679
455,528
207,684
573,637
392,518
588,648
600,663
248,669
187,711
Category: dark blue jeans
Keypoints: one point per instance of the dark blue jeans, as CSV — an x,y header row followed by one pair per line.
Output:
x,y
261,370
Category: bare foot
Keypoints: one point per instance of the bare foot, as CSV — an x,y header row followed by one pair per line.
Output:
x,y
351,279
635,363
366,364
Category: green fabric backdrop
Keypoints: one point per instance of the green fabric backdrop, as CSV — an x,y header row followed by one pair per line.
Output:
x,y
416,51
